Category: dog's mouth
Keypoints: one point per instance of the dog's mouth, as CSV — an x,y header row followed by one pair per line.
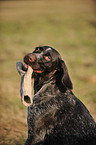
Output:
x,y
31,60
25,68
38,71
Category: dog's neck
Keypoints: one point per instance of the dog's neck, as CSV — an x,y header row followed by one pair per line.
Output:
x,y
42,79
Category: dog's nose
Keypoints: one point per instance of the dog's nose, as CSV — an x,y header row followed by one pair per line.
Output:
x,y
30,58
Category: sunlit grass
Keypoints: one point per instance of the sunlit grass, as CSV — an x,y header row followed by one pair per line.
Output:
x,y
70,27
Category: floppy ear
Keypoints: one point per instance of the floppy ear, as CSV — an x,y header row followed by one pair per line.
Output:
x,y
64,76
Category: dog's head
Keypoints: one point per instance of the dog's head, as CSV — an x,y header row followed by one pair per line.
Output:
x,y
45,60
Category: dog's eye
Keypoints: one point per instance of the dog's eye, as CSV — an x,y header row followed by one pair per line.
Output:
x,y
47,58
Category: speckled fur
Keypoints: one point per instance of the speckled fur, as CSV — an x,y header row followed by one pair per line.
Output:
x,y
56,116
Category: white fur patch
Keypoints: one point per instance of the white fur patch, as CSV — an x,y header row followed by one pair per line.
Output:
x,y
48,49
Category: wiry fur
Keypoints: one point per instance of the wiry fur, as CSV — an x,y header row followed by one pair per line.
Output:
x,y
56,116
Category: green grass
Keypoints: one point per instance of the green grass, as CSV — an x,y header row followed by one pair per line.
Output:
x,y
67,25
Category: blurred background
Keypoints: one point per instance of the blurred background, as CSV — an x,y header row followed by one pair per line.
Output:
x,y
69,26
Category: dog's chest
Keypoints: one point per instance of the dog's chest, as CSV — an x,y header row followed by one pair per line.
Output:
x,y
43,120
42,113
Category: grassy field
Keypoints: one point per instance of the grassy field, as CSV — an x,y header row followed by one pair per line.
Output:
x,y
67,25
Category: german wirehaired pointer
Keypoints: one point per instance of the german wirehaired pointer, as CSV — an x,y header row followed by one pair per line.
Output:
x,y
56,116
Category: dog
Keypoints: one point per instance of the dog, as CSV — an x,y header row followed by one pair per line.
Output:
x,y
57,116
